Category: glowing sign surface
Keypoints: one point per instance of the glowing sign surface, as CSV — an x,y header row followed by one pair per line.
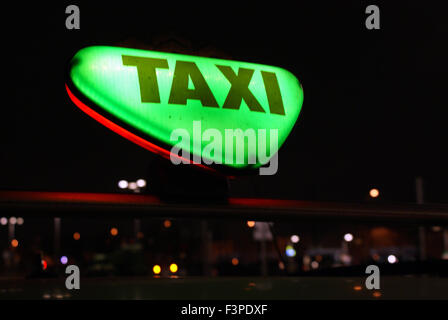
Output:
x,y
151,94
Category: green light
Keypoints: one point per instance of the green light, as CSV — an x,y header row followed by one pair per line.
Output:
x,y
156,93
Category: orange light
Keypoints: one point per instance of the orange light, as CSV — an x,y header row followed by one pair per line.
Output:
x,y
76,236
14,243
140,235
114,232
44,265
156,269
173,268
357,288
235,261
251,224
374,193
167,223
377,294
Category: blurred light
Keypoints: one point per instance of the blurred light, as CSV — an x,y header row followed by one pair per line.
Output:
x,y
445,255
348,237
235,261
281,265
357,288
290,252
114,232
251,224
141,183
3,221
314,264
392,259
376,256
173,268
295,238
64,260
346,258
376,294
306,260
132,185
156,269
167,223
140,235
374,193
20,221
44,265
436,229
14,243
122,184
76,236
12,220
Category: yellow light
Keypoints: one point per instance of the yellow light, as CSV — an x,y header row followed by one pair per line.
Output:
x,y
374,193
114,232
167,223
235,261
76,236
251,224
14,243
156,269
173,268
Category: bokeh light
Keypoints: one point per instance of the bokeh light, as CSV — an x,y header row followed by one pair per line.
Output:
x,y
122,184
251,224
14,243
348,237
76,236
173,268
290,252
295,238
392,259
156,269
167,223
374,193
113,231
141,183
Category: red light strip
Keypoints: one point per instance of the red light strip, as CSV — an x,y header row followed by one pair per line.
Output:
x,y
126,134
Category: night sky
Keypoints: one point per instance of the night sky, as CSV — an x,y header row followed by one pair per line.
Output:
x,y
375,110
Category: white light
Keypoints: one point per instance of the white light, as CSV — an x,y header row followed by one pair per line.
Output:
x,y
132,185
348,237
12,220
122,184
141,183
392,259
295,238
20,221
3,221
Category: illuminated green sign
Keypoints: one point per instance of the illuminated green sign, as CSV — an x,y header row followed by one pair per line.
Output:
x,y
146,96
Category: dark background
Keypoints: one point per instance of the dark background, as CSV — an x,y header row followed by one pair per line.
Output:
x,y
374,115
